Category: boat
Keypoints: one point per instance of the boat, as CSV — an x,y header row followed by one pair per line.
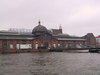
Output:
x,y
94,50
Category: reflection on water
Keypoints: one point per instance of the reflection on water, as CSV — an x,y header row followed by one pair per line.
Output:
x,y
50,63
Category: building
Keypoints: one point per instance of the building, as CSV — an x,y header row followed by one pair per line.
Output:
x,y
40,39
98,41
90,40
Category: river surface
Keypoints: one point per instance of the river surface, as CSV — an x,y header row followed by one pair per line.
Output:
x,y
50,63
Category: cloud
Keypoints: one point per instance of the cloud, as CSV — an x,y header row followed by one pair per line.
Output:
x,y
85,14
73,15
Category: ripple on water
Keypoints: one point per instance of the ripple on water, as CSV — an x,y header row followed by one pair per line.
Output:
x,y
51,63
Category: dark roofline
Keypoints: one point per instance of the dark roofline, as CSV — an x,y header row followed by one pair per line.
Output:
x,y
65,36
12,34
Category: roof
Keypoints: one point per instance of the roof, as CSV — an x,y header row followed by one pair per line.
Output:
x,y
75,39
56,31
67,37
16,37
40,28
62,35
13,35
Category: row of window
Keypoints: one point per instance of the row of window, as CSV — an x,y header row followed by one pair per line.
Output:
x,y
21,46
64,45
36,44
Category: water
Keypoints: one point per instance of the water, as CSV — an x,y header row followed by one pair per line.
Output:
x,y
50,63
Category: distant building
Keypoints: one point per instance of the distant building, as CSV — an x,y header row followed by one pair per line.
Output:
x,y
57,31
42,39
98,41
90,40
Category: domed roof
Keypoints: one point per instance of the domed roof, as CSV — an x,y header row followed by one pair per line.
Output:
x,y
39,28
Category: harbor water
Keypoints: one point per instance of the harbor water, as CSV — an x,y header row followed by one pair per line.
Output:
x,y
50,63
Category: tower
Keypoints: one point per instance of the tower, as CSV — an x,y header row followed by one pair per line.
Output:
x,y
60,29
39,23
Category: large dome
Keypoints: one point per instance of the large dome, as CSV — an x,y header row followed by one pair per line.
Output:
x,y
39,28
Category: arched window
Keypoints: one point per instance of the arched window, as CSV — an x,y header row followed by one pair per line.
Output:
x,y
11,44
54,45
36,46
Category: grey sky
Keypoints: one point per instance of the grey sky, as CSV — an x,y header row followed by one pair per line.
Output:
x,y
77,17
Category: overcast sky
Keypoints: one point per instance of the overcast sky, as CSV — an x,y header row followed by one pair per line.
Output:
x,y
77,17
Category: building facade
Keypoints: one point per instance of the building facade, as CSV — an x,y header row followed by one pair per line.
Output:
x,y
98,41
90,39
41,39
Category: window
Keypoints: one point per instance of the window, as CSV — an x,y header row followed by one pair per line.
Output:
x,y
66,45
30,41
54,45
17,46
23,41
36,42
4,44
58,44
11,46
36,46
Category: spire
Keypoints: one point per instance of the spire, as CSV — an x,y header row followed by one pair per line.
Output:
x,y
39,23
60,27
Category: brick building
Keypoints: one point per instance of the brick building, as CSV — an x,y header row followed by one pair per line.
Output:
x,y
98,41
90,40
40,39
